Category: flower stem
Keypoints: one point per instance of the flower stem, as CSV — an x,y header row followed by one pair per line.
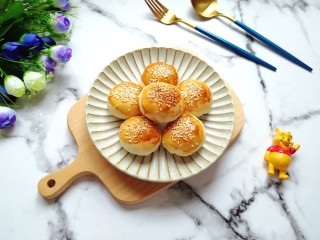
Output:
x,y
7,101
2,73
15,61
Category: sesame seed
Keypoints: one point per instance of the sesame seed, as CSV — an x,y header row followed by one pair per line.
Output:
x,y
135,129
191,92
161,70
182,129
164,95
127,92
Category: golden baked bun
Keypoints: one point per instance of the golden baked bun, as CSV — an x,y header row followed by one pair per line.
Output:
x,y
139,135
161,102
123,100
197,97
160,72
183,136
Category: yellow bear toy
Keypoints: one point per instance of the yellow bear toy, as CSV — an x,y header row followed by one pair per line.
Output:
x,y
278,156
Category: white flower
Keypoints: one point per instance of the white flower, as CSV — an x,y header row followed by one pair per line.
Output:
x,y
35,81
14,86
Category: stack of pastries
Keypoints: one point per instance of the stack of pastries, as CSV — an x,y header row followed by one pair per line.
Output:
x,y
161,101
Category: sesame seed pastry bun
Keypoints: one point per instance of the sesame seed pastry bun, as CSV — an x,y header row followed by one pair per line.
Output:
x,y
123,100
161,102
139,135
184,136
197,97
160,72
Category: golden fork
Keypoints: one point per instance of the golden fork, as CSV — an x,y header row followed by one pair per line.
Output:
x,y
167,17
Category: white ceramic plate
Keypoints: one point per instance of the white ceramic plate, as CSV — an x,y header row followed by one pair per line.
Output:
x,y
161,166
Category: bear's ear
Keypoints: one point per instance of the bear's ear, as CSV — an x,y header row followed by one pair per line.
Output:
x,y
278,131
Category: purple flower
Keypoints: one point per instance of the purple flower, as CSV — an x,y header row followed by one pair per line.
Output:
x,y
3,94
3,90
60,53
60,23
14,51
62,4
7,117
48,63
32,41
48,41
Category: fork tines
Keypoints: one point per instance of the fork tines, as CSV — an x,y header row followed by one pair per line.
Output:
x,y
156,8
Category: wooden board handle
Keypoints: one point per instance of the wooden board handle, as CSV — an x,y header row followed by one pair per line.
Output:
x,y
124,188
57,182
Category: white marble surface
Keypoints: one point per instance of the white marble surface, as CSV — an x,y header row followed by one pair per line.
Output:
x,y
234,198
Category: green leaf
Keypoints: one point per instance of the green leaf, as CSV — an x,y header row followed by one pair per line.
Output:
x,y
4,4
14,11
6,28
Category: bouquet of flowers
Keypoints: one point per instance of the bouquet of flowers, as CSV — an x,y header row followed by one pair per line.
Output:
x,y
33,34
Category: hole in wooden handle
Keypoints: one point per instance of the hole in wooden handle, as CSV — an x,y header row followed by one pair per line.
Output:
x,y
51,183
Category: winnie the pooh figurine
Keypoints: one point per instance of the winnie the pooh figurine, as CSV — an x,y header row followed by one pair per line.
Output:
x,y
278,156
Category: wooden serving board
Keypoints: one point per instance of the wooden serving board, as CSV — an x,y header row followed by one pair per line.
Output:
x,y
124,188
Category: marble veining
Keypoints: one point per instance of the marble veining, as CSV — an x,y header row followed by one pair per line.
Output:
x,y
68,93
236,225
115,20
58,229
232,199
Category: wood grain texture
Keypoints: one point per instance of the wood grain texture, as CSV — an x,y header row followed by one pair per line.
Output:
x,y
124,188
